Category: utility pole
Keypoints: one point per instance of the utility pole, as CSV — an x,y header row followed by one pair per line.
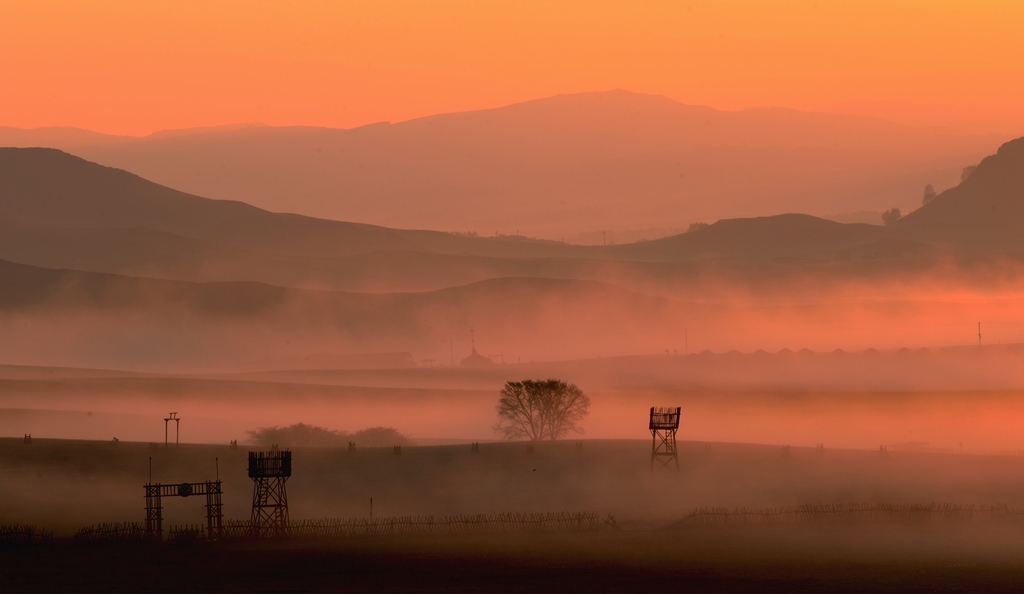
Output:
x,y
979,333
177,428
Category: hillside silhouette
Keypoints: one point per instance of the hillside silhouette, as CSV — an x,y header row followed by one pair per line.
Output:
x,y
59,211
48,187
984,212
780,236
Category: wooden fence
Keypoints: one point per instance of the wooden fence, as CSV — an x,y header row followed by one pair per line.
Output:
x,y
458,524
21,536
114,532
187,533
341,528
848,512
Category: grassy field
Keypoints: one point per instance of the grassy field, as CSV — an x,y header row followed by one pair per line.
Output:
x,y
65,485
454,408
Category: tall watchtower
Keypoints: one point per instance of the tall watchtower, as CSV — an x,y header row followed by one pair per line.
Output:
x,y
269,472
664,424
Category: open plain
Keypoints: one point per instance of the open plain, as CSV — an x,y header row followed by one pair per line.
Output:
x,y
643,540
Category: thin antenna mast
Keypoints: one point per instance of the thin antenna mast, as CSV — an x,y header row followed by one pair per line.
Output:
x,y
979,333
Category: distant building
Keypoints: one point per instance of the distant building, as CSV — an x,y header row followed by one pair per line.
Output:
x,y
475,359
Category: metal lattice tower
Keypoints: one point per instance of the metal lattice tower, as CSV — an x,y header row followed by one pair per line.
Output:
x,y
155,492
664,424
269,472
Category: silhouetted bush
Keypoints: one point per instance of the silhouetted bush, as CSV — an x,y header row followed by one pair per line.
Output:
x,y
299,435
378,437
303,435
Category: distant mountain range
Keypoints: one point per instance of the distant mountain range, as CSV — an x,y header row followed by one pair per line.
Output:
x,y
550,168
60,211
105,268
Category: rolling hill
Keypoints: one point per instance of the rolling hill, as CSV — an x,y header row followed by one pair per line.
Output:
x,y
47,187
60,211
100,320
985,212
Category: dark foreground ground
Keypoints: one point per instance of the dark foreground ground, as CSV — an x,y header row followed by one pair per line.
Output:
x,y
66,485
880,558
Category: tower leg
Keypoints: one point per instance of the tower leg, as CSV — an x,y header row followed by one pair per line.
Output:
x,y
269,506
154,513
663,450
654,448
214,511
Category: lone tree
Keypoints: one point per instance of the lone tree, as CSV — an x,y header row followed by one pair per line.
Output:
x,y
929,194
536,409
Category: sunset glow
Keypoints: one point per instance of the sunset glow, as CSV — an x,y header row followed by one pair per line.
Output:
x,y
539,295
124,67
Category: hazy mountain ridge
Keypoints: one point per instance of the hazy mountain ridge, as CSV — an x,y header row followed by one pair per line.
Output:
x,y
745,283
50,188
103,317
101,320
35,288
779,236
56,137
59,211
557,166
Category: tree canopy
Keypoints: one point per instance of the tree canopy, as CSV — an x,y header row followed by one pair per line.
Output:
x,y
929,194
891,216
303,435
540,409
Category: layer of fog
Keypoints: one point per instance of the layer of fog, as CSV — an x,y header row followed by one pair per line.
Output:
x,y
221,410
70,485
857,399
515,320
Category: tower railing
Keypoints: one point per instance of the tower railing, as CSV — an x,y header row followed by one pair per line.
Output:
x,y
664,417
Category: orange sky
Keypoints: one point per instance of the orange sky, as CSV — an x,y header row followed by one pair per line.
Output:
x,y
125,66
